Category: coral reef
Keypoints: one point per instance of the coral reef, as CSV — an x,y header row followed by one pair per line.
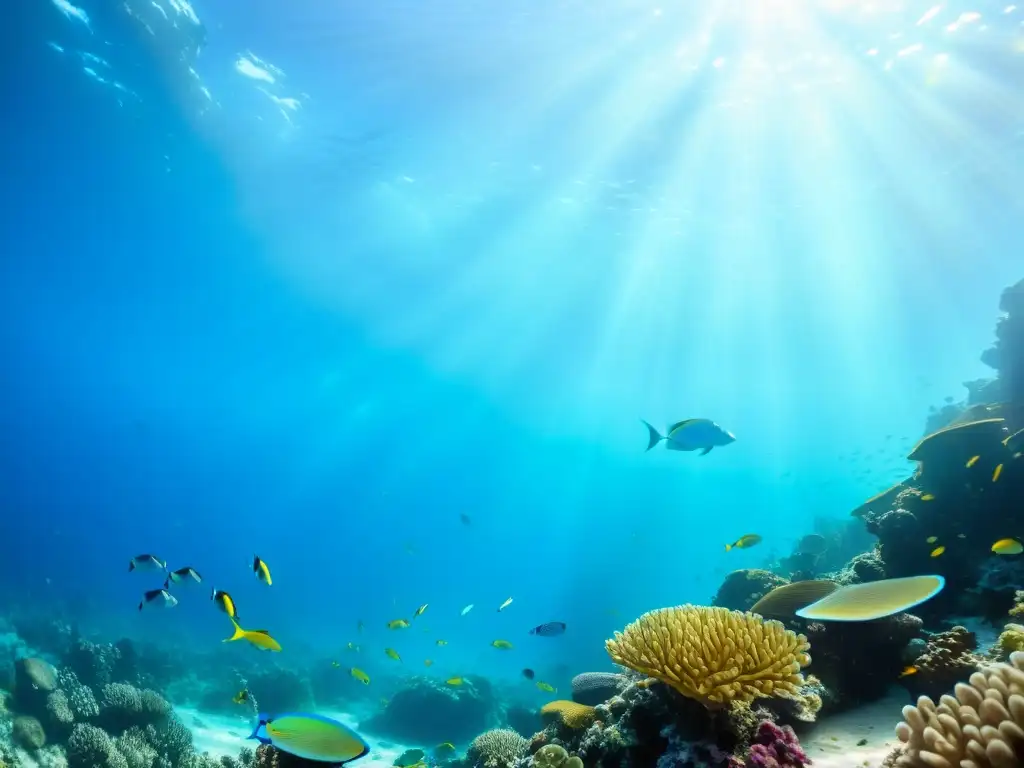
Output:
x,y
427,712
741,589
982,725
946,659
498,748
775,747
1006,356
28,733
593,688
568,713
713,655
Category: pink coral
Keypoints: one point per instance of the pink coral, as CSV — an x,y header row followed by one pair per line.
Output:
x,y
776,747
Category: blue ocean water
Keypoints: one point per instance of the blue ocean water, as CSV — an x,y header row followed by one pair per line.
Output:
x,y
313,280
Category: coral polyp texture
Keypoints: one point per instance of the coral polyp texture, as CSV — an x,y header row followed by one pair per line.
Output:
x,y
568,713
982,726
713,655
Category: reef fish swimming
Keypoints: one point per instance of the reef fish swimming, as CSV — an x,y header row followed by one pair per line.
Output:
x,y
873,599
225,602
744,542
1007,547
158,598
257,637
183,576
146,563
690,435
311,737
550,629
262,570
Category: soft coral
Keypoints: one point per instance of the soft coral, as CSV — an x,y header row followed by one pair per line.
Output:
x,y
776,747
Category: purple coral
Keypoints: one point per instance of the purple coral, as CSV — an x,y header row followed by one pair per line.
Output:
x,y
776,747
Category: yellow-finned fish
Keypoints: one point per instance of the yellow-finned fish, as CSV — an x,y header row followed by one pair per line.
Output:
x,y
972,461
359,675
504,605
908,671
998,471
392,654
241,697
744,542
262,570
453,681
398,624
932,539
1007,547
440,642
428,663
257,637
353,647
503,645
937,551
311,737
225,602
546,687
927,497
419,611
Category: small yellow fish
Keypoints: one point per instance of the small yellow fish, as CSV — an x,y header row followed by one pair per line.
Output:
x,y
359,675
454,681
241,697
743,542
932,539
441,642
928,497
258,637
262,570
937,551
428,663
546,687
1007,547
997,473
503,645
392,654
353,647
420,610
398,624
907,671
972,461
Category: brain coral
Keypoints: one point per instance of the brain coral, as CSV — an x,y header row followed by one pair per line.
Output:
x,y
713,655
569,713
981,727
498,748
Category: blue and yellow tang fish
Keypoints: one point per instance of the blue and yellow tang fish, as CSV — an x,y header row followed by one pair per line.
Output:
x,y
262,570
311,737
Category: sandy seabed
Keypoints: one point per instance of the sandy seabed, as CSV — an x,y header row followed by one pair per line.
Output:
x,y
861,737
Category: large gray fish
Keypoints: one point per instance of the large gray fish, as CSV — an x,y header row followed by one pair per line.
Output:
x,y
690,435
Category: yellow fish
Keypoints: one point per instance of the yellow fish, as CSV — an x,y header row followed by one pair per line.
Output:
x,y
428,663
932,539
359,675
241,697
262,570
997,473
972,461
392,654
743,542
454,681
420,610
398,624
547,687
444,748
258,637
928,497
503,645
225,602
1007,547
353,647
907,671
441,642
937,551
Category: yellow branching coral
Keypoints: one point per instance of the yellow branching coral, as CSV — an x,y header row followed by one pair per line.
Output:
x,y
713,655
569,714
981,727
